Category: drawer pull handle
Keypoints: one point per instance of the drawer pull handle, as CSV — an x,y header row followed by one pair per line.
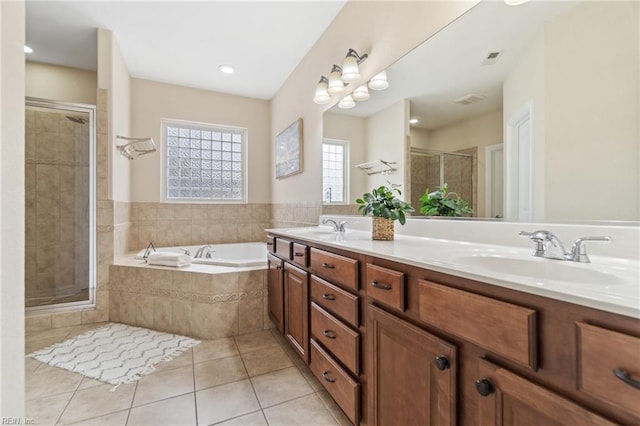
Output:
x,y
298,254
442,362
626,377
325,375
326,296
329,334
328,266
376,284
278,267
485,387
269,243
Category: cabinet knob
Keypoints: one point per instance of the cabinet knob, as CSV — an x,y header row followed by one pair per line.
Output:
x,y
485,387
626,377
442,362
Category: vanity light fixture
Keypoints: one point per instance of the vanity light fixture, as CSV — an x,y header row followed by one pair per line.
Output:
x,y
350,70
413,121
27,49
227,69
347,102
379,81
336,86
322,95
361,93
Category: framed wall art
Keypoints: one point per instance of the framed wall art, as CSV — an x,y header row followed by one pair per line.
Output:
x,y
289,150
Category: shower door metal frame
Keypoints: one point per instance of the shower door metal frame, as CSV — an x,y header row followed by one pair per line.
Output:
x,y
91,111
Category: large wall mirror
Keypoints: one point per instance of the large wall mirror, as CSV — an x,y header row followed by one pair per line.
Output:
x,y
529,112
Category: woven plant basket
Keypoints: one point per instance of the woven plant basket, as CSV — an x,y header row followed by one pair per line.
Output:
x,y
382,229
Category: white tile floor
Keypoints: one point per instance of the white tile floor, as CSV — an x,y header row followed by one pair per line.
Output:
x,y
254,379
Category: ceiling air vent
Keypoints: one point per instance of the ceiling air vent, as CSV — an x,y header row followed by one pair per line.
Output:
x,y
492,58
469,99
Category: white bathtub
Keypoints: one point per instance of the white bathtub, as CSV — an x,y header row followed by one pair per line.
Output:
x,y
234,254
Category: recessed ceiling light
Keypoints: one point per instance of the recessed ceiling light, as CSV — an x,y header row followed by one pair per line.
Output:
x,y
515,2
413,121
27,49
227,69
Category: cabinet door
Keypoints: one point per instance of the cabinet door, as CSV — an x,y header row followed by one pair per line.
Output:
x,y
296,309
504,398
412,373
275,283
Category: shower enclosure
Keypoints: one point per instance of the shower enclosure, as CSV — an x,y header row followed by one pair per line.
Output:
x,y
60,206
432,169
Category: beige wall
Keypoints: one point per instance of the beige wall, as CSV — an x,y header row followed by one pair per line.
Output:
x,y
12,29
384,30
386,138
352,129
591,123
59,83
152,101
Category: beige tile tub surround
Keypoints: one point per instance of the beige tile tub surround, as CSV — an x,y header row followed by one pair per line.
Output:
x,y
172,224
202,305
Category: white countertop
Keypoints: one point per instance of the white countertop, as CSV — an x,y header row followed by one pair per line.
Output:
x,y
607,283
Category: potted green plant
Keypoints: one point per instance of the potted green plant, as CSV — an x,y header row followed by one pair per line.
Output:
x,y
441,202
386,208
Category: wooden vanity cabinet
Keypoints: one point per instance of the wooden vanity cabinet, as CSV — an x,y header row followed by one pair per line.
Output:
x,y
275,289
420,347
505,398
412,373
296,309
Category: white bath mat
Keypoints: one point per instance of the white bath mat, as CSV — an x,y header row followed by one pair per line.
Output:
x,y
115,353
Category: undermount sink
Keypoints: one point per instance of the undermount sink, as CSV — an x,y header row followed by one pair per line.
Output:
x,y
542,269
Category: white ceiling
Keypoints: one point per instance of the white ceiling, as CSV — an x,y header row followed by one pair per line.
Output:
x,y
449,64
184,42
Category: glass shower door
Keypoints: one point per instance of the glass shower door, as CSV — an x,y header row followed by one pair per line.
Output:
x,y
59,246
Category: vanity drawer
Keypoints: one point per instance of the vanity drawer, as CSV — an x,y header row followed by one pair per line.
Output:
x,y
336,300
338,269
283,248
271,244
342,388
300,254
467,315
339,339
602,353
386,286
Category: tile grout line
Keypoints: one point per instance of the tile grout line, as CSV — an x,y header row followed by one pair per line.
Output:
x,y
255,394
133,398
195,395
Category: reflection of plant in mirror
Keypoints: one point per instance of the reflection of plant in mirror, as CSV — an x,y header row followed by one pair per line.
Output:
x,y
381,202
441,202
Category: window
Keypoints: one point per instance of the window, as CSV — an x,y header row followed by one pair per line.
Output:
x,y
334,171
204,162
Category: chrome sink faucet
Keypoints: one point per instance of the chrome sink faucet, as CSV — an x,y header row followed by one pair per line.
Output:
x,y
337,226
543,240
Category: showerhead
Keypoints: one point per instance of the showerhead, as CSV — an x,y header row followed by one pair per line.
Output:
x,y
76,119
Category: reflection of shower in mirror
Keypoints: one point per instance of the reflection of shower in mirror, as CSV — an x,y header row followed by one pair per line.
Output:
x,y
136,147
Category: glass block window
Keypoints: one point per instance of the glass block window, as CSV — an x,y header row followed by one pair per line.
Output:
x,y
334,171
204,162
